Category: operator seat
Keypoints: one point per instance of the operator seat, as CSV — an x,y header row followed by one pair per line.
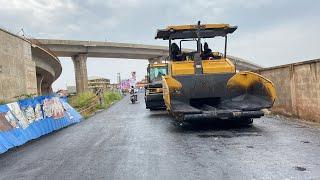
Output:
x,y
207,52
175,52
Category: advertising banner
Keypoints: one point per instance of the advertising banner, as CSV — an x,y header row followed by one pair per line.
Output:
x,y
31,118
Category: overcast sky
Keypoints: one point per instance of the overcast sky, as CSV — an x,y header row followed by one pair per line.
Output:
x,y
270,32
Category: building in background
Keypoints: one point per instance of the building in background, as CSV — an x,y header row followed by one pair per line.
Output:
x,y
114,87
95,83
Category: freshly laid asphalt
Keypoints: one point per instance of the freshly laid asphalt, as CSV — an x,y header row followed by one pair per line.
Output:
x,y
129,142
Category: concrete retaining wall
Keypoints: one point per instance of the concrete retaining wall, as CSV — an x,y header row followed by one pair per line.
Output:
x,y
25,67
17,69
298,89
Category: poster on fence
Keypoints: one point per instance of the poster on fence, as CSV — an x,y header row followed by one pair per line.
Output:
x,y
18,115
5,125
31,118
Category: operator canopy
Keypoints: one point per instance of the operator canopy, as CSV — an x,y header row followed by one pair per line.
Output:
x,y
192,31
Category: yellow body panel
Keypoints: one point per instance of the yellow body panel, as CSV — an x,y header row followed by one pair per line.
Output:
x,y
208,67
169,84
182,68
245,79
217,66
172,83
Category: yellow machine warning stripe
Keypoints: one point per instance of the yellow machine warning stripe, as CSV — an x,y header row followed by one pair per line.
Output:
x,y
216,26
158,65
208,67
206,26
155,90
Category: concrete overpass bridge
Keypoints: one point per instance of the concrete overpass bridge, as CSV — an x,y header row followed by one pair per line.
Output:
x,y
79,51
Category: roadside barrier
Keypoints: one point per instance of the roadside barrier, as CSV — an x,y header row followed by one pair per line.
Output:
x,y
89,109
31,118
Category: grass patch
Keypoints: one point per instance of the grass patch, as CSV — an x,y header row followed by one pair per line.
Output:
x,y
2,102
85,102
111,97
82,99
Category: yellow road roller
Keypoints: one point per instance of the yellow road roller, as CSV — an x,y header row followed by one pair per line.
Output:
x,y
153,90
205,85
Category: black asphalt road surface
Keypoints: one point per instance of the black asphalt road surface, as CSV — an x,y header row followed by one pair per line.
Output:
x,y
129,142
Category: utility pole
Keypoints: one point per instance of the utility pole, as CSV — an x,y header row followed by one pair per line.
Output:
x,y
118,78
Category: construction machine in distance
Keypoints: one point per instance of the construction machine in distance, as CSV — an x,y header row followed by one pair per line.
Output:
x,y
202,86
153,90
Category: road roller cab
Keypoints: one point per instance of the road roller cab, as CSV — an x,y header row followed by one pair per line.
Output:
x,y
206,85
153,90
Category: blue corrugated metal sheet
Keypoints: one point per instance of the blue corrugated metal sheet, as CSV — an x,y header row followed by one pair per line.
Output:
x,y
31,118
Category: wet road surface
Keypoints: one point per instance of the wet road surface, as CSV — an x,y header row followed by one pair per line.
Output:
x,y
129,142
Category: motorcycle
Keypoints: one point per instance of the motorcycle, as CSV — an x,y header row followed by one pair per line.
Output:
x,y
133,95
133,98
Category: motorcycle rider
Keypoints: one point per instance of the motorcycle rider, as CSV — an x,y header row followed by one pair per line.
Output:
x,y
133,93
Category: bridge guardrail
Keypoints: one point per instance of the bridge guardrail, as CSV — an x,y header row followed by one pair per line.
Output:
x,y
38,43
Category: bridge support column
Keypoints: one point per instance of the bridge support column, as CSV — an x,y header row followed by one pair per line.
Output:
x,y
80,68
39,84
